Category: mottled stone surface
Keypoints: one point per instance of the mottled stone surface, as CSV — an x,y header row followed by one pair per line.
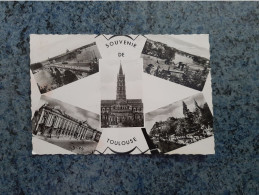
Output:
x,y
233,29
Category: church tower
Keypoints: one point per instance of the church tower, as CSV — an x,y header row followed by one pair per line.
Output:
x,y
121,88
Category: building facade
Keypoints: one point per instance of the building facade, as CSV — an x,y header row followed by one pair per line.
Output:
x,y
122,112
49,122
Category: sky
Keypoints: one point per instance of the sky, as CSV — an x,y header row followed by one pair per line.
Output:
x,y
172,110
75,112
44,46
197,44
133,78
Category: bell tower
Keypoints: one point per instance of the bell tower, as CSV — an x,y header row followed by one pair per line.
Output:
x,y
121,88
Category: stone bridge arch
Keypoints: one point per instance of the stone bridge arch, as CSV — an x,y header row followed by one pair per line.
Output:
x,y
69,76
57,70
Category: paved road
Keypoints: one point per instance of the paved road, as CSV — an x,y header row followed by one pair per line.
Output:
x,y
77,146
42,147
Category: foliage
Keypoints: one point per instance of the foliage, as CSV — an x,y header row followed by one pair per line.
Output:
x,y
159,50
194,79
94,67
192,123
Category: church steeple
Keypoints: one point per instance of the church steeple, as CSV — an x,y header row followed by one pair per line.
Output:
x,y
121,88
120,71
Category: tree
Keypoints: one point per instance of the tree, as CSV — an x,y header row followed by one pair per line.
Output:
x,y
207,118
169,54
148,68
147,48
94,67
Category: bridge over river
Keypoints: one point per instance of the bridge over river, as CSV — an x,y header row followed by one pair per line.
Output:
x,y
84,67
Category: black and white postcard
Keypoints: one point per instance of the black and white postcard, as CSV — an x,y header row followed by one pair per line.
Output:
x,y
182,59
121,93
57,60
66,126
179,124
151,94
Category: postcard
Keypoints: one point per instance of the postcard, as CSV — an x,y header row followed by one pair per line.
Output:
x,y
121,94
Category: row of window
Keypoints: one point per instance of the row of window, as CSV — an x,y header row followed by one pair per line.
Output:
x,y
121,108
119,118
53,120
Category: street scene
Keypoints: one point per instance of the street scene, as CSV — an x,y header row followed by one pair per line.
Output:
x,y
180,124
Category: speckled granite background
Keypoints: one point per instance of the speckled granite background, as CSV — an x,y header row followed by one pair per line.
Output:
x,y
233,29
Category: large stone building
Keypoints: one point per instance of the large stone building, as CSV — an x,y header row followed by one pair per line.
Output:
x,y
49,122
122,112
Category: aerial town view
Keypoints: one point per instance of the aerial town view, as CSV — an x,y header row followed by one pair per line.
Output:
x,y
176,65
67,67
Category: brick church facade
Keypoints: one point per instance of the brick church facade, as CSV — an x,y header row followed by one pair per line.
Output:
x,y
122,112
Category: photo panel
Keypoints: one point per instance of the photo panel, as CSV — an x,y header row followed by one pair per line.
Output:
x,y
57,60
121,93
182,59
180,124
66,126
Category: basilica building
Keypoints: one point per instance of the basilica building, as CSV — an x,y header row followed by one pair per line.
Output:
x,y
122,112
